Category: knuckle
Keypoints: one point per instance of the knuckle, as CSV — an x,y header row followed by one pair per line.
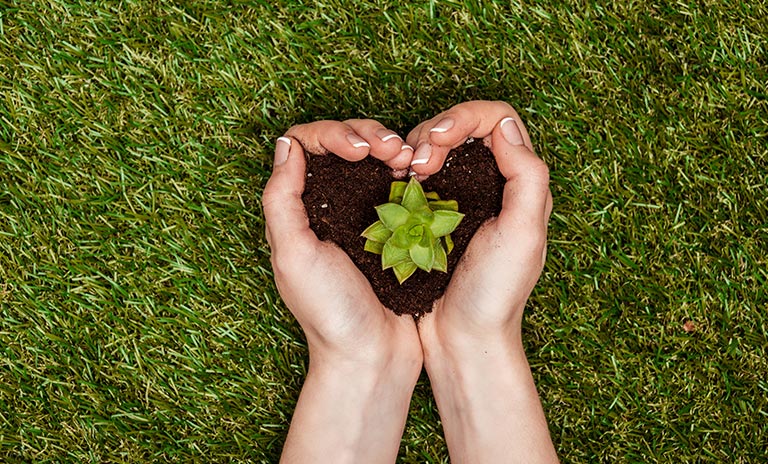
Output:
x,y
505,107
361,122
298,130
538,171
270,194
288,260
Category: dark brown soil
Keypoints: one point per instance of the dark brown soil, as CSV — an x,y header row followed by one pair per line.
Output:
x,y
340,197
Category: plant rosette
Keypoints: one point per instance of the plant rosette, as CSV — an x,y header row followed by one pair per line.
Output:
x,y
413,231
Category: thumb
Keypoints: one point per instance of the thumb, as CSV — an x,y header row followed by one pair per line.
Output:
x,y
526,193
284,211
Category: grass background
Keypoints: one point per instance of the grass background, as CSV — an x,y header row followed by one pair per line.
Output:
x,y
138,317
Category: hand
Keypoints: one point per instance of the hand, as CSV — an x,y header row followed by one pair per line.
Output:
x,y
505,257
472,340
364,360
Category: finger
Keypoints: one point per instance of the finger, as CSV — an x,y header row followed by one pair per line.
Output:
x,y
403,159
287,222
475,119
435,138
427,159
526,193
323,137
386,144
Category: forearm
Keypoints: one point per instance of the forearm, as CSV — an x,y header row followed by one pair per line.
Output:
x,y
488,402
348,413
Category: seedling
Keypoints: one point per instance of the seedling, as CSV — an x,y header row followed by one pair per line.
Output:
x,y
413,230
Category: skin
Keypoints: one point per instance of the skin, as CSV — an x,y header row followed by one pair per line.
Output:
x,y
364,360
473,350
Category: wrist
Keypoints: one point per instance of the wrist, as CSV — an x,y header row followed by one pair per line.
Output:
x,y
389,368
468,359
351,412
391,353
449,343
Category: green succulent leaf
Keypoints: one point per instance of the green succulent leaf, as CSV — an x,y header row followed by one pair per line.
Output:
x,y
416,232
396,191
423,253
427,238
374,247
423,256
432,196
404,270
400,238
447,205
441,258
392,256
392,215
407,235
423,216
448,244
445,222
377,232
413,197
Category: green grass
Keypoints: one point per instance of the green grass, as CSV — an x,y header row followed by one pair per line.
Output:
x,y
138,317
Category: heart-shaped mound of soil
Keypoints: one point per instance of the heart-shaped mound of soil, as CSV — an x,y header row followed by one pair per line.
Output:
x,y
341,196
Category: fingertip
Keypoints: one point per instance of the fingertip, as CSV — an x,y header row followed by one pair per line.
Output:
x,y
357,142
357,148
443,126
455,126
421,155
379,141
512,154
402,160
430,161
282,150
385,135
389,147
511,131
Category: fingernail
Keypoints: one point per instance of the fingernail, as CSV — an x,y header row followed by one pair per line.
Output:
x,y
356,141
421,156
386,135
282,148
443,126
511,132
405,146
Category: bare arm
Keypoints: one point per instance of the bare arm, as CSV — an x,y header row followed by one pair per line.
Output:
x,y
473,351
364,360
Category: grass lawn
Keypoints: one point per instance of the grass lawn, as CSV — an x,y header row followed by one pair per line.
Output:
x,y
138,317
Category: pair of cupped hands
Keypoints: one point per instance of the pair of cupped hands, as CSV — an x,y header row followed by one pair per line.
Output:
x,y
344,322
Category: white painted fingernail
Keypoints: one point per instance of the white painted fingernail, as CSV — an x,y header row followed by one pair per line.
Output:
x,y
357,142
386,135
282,150
421,156
511,132
443,126
406,147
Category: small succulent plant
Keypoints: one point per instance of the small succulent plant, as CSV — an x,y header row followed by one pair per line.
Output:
x,y
413,230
